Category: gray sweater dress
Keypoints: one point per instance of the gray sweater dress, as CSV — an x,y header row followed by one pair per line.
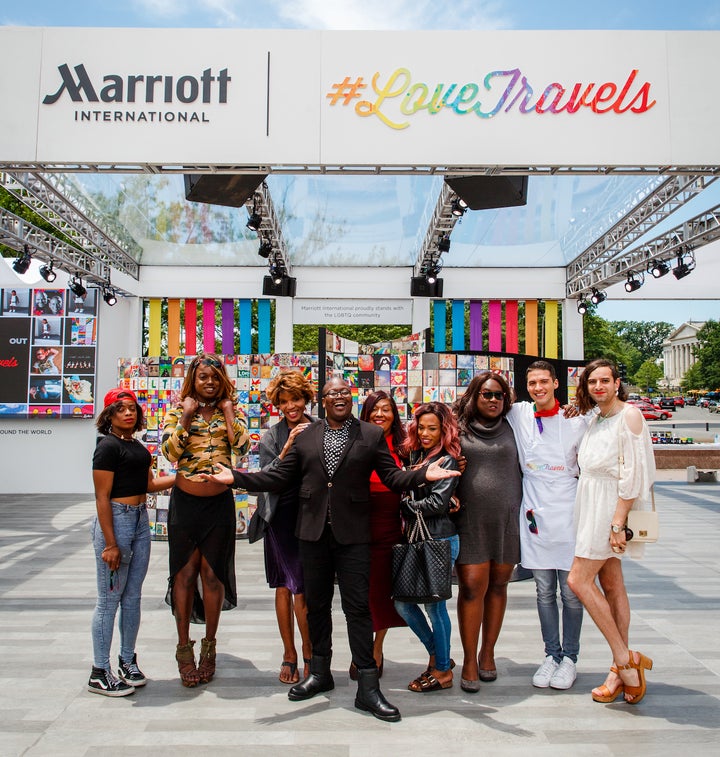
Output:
x,y
490,493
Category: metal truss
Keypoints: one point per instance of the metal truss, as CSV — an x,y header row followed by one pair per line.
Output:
x,y
440,227
307,168
678,242
597,266
17,233
269,230
57,201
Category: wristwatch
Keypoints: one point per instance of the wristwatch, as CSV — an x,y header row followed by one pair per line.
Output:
x,y
615,528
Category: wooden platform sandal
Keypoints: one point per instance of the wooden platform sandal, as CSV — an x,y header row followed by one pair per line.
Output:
x,y
644,663
186,665
206,665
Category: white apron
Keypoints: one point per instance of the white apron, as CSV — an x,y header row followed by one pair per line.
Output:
x,y
549,465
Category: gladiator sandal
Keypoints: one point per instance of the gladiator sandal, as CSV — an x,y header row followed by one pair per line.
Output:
x,y
206,666
186,665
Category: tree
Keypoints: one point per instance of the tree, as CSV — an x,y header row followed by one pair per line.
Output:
x,y
693,378
601,340
647,375
646,337
305,337
708,354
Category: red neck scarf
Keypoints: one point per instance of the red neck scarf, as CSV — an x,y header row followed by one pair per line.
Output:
x,y
540,414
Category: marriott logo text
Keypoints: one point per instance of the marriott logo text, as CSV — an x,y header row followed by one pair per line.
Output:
x,y
150,87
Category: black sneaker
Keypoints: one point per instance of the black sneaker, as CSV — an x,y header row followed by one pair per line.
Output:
x,y
104,682
131,673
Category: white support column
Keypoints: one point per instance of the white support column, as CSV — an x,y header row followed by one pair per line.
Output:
x,y
284,324
573,343
420,314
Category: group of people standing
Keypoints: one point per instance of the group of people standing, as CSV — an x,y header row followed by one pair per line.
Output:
x,y
498,479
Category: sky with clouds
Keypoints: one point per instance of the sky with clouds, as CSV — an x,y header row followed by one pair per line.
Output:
x,y
394,15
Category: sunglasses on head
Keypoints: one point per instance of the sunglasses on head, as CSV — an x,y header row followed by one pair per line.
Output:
x,y
492,395
207,361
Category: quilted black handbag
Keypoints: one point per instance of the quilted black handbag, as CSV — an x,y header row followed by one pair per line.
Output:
x,y
421,569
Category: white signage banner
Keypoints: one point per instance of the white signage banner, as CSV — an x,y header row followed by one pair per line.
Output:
x,y
362,312
123,97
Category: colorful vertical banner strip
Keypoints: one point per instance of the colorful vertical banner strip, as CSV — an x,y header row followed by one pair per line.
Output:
x,y
458,325
208,311
154,326
551,329
264,327
476,326
512,342
531,327
191,327
173,327
245,320
495,326
227,308
439,325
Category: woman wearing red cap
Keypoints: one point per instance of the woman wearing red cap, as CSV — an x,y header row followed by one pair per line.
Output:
x,y
205,428
121,536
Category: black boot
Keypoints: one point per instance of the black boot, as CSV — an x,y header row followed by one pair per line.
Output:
x,y
370,699
320,679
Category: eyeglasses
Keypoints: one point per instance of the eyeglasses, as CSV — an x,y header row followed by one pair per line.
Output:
x,y
530,515
492,395
338,393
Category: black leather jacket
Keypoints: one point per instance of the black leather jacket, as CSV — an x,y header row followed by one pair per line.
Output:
x,y
433,500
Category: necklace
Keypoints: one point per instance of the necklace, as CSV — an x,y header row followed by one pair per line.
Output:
x,y
207,404
123,437
609,414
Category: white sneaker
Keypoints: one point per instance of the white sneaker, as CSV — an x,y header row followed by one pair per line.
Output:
x,y
545,672
565,675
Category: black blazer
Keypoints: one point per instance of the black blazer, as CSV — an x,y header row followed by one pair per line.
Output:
x,y
345,495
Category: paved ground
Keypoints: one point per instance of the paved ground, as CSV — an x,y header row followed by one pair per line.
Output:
x,y
47,590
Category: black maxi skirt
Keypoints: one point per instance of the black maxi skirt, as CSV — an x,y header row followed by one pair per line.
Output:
x,y
207,524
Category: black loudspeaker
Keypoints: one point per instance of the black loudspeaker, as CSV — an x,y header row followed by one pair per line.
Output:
x,y
484,192
286,288
222,189
421,287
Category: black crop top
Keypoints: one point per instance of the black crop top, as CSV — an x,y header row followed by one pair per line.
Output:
x,y
129,461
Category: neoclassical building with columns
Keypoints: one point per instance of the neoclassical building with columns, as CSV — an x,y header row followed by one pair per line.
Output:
x,y
679,351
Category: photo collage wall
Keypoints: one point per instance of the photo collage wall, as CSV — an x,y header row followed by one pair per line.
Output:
x,y
157,381
48,341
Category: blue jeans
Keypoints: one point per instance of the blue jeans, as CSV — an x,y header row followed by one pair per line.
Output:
x,y
132,535
546,584
435,635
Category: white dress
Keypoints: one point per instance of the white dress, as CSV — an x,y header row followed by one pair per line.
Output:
x,y
605,475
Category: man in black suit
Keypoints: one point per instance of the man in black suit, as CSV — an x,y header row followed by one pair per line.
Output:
x,y
332,461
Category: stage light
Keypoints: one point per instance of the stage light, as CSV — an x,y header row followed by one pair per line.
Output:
x,y
254,222
22,263
444,243
597,296
265,249
659,268
77,288
277,272
684,267
583,306
458,207
433,271
634,282
109,296
46,271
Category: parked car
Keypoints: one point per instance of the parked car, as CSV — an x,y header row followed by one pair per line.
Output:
x,y
652,413
714,406
666,403
679,401
704,401
690,400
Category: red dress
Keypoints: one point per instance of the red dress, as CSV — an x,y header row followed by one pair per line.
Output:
x,y
386,530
